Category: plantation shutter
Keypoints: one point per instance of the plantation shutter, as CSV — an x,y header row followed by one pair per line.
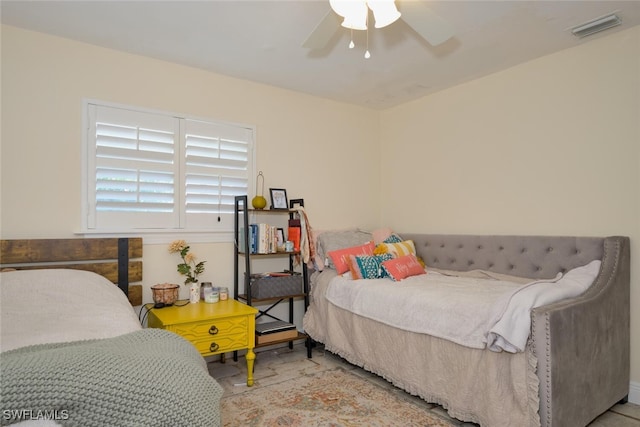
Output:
x,y
134,174
216,170
157,171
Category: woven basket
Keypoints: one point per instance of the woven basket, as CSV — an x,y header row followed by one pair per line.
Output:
x,y
166,293
274,287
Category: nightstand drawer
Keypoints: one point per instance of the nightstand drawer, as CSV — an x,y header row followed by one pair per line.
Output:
x,y
222,344
211,328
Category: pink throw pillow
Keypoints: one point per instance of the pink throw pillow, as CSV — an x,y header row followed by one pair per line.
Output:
x,y
341,259
381,234
403,267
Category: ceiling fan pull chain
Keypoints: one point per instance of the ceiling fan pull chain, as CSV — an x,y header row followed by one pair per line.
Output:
x,y
351,45
367,55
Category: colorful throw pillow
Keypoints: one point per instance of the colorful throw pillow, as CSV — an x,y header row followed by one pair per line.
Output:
x,y
393,238
380,234
397,249
368,266
341,259
403,267
327,241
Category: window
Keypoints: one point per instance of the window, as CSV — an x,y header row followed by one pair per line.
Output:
x,y
158,171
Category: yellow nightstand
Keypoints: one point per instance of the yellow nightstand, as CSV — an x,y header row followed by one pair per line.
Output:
x,y
212,328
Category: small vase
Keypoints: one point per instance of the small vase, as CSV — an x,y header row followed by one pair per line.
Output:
x,y
259,202
194,293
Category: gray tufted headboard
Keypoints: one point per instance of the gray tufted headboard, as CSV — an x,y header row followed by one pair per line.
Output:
x,y
524,256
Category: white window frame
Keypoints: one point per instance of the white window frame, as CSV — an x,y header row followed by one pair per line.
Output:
x,y
190,226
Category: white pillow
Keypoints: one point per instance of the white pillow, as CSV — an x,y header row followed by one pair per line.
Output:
x,y
581,278
512,327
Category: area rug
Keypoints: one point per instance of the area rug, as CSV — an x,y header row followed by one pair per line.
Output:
x,y
330,398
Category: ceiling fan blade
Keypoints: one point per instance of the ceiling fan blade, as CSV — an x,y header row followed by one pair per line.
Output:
x,y
430,26
323,32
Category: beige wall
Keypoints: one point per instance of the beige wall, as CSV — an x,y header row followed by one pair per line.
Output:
x,y
548,147
310,147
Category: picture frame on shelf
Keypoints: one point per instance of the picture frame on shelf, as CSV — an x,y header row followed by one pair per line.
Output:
x,y
279,199
280,237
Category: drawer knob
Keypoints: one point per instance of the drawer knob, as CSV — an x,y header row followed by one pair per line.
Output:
x,y
213,330
213,347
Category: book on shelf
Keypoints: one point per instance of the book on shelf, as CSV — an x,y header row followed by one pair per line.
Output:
x,y
251,234
263,247
275,331
277,336
278,274
273,274
262,238
273,327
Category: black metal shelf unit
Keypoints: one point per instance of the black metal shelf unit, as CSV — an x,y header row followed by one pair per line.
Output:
x,y
241,251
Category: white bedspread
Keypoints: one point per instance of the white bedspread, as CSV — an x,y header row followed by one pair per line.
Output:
x,y
476,313
511,331
58,305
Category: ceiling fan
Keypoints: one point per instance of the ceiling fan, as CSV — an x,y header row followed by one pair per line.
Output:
x,y
354,14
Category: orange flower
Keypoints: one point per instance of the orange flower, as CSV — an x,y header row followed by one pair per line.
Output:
x,y
177,246
188,266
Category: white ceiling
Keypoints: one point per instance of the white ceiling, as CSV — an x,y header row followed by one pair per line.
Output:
x,y
262,40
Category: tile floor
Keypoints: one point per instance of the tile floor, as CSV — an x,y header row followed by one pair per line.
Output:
x,y
275,365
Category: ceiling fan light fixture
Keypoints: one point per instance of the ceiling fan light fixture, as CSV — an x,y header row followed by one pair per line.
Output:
x,y
341,7
354,13
385,12
356,21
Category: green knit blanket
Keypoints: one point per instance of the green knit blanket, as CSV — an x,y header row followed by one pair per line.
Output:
x,y
150,377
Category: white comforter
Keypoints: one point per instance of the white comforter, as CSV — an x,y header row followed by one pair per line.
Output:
x,y
58,305
476,313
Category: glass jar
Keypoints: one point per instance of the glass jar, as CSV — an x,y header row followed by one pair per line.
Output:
x,y
224,293
204,284
207,289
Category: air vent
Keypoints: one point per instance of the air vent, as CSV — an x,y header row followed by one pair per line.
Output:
x,y
597,25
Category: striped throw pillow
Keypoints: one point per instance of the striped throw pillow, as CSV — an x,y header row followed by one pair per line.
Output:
x,y
406,247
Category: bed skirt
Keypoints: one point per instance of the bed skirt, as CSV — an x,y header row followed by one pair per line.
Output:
x,y
480,386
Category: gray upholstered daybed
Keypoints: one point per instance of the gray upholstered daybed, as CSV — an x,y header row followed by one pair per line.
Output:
x,y
576,362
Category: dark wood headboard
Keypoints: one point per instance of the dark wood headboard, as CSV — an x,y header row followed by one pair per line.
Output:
x,y
117,259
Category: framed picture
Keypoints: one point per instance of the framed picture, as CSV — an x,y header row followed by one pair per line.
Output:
x,y
280,237
279,198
